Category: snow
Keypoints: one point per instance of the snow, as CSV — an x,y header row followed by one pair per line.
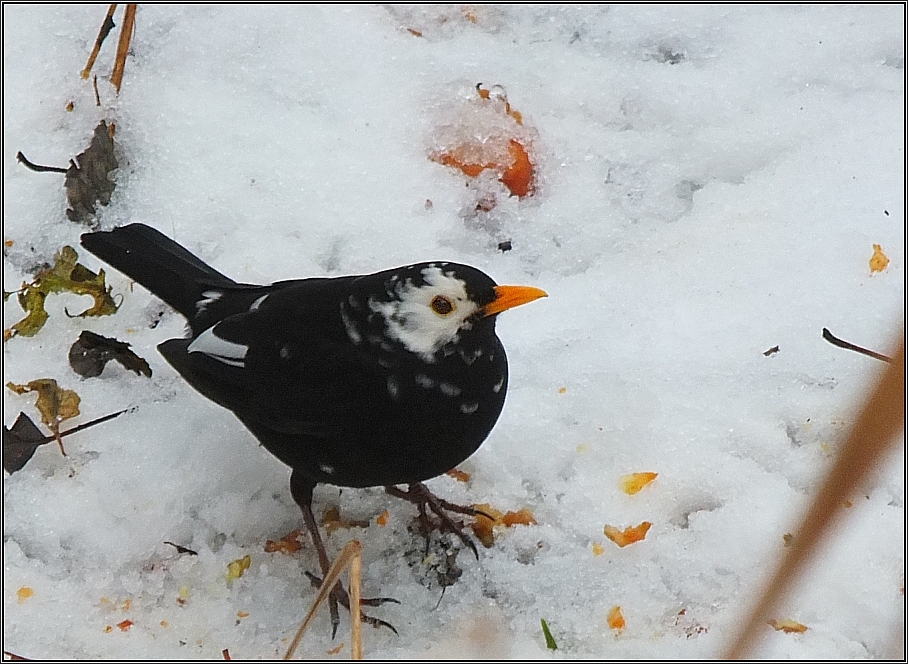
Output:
x,y
710,182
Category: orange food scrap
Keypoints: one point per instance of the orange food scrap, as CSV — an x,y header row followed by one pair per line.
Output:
x,y
483,526
878,261
125,625
24,593
502,150
242,614
632,483
331,520
629,535
382,519
787,626
289,543
598,549
164,623
518,177
516,174
522,517
336,650
614,618
7,243
458,475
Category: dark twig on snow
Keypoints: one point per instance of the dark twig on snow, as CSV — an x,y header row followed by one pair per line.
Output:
x,y
22,159
835,341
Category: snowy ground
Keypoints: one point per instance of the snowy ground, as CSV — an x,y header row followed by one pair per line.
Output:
x,y
711,181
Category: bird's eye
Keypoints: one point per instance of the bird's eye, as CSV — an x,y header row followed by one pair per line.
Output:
x,y
442,305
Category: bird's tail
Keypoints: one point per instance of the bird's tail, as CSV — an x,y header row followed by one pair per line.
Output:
x,y
161,265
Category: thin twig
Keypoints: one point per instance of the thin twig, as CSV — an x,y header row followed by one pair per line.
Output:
x,y
129,19
106,27
835,341
353,549
81,427
35,167
94,84
873,434
356,623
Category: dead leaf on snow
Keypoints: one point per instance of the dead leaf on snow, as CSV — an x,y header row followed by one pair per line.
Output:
x,y
65,276
91,352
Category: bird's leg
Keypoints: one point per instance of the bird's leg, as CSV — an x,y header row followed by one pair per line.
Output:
x,y
419,495
301,489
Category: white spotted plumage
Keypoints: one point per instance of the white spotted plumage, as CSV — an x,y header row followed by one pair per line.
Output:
x,y
410,319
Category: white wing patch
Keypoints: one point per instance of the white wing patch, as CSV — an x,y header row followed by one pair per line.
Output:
x,y
259,302
228,352
208,297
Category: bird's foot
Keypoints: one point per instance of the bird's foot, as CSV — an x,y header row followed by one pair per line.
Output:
x,y
339,596
419,495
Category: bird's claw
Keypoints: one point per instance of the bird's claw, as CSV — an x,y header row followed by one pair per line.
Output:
x,y
339,596
419,495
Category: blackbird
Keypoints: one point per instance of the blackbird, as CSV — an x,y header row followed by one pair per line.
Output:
x,y
358,381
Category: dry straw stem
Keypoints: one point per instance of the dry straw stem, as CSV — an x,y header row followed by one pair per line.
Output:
x,y
129,21
106,27
873,434
352,554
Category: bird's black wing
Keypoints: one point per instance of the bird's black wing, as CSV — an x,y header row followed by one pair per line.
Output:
x,y
281,364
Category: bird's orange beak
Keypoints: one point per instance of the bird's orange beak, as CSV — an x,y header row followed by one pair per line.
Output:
x,y
507,297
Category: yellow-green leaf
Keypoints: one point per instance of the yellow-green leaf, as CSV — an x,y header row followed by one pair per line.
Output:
x,y
237,567
66,275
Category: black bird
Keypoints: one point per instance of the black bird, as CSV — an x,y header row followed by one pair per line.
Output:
x,y
374,380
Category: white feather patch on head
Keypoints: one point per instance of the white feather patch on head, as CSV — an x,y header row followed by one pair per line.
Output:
x,y
410,319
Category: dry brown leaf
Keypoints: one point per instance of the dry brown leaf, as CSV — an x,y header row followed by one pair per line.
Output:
x,y
289,543
88,179
55,403
91,352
